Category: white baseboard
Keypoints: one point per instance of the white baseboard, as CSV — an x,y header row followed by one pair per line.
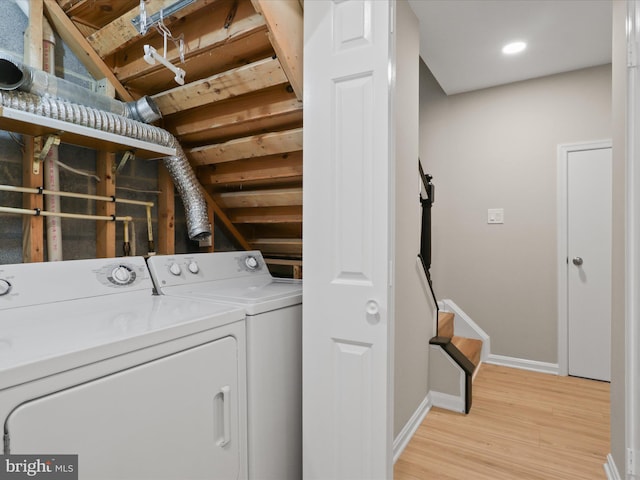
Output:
x,y
405,435
611,470
447,401
523,364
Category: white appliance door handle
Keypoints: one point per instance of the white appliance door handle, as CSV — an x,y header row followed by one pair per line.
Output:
x,y
226,416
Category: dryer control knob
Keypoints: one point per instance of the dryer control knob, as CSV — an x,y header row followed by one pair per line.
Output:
x,y
5,287
251,262
175,269
193,267
121,275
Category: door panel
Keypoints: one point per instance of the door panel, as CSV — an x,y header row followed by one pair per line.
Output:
x,y
589,262
348,227
161,420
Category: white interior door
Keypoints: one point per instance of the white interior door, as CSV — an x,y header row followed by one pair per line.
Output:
x,y
348,232
589,196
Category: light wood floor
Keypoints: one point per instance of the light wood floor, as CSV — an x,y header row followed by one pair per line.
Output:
x,y
522,426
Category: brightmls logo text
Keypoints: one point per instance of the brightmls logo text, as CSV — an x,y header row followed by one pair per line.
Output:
x,y
49,467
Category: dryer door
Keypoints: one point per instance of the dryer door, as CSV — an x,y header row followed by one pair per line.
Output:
x,y
172,418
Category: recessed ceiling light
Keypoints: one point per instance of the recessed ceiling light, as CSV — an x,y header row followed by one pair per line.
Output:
x,y
514,47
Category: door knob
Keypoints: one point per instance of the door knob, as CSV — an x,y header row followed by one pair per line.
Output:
x,y
372,310
577,261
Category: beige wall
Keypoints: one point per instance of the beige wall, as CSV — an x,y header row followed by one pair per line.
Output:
x,y
413,313
497,148
619,61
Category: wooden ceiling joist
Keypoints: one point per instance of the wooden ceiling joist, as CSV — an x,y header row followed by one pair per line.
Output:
x,y
94,14
248,78
284,20
260,198
263,107
121,32
246,171
266,215
248,147
286,246
203,34
81,48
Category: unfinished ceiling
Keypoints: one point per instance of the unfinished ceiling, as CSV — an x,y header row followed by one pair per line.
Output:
x,y
239,114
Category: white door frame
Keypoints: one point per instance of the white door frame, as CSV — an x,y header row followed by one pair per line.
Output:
x,y
632,237
563,319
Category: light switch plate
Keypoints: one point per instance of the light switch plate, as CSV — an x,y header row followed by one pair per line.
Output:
x,y
495,215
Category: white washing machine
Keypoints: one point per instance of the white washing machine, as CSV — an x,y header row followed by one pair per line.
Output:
x,y
140,386
274,347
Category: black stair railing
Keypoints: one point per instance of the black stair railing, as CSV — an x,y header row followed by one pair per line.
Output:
x,y
427,197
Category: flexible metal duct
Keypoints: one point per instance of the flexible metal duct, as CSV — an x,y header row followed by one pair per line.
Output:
x,y
178,165
17,76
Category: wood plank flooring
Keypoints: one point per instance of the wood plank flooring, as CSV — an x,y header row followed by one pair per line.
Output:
x,y
522,426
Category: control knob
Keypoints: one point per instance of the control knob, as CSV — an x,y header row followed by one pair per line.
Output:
x,y
193,267
175,269
251,262
5,287
121,275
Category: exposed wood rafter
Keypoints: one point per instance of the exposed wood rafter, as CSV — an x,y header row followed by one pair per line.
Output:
x,y
121,31
79,45
248,78
284,20
260,198
248,147
255,169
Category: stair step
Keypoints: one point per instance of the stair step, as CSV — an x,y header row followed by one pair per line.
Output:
x,y
470,348
445,324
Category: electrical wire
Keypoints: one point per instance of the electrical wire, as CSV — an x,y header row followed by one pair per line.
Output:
x,y
83,173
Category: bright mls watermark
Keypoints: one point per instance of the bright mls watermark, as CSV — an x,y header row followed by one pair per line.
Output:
x,y
50,467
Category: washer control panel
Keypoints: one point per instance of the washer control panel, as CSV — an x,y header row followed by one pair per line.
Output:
x,y
173,270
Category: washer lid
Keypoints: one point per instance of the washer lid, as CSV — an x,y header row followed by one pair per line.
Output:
x,y
256,295
41,340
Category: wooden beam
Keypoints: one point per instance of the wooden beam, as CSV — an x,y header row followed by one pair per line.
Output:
x,y
105,231
245,171
284,20
121,31
264,105
260,198
266,215
33,36
202,34
248,147
289,246
248,78
32,227
166,213
81,48
213,205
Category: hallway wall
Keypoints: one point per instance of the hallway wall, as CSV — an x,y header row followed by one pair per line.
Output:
x,y
497,148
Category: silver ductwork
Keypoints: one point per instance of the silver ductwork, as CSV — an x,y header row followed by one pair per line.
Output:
x,y
178,165
17,76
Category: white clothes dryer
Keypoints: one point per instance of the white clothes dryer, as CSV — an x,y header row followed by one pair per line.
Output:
x,y
274,347
140,386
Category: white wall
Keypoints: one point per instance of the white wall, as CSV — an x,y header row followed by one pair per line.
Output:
x,y
496,148
413,312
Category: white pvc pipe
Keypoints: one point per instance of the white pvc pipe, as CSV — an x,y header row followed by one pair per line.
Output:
x,y
78,216
12,188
